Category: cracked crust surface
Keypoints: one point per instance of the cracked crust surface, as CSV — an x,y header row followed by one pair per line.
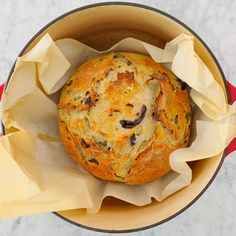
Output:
x,y
121,115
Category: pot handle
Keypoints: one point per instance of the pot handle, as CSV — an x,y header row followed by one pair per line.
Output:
x,y
232,98
2,86
232,92
1,90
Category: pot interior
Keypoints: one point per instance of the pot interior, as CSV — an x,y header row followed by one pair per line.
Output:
x,y
100,27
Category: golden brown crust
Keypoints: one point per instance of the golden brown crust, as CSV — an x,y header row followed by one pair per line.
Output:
x,y
121,115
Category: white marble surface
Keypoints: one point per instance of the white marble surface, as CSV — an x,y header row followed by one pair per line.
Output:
x,y
215,21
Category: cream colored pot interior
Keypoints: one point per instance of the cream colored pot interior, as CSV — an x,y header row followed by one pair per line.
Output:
x,y
100,27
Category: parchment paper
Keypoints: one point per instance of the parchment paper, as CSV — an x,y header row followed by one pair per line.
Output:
x,y
36,174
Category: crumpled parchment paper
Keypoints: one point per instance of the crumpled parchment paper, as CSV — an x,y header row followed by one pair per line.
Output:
x,y
36,174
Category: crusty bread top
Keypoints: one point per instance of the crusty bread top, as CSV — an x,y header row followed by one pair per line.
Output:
x,y
121,115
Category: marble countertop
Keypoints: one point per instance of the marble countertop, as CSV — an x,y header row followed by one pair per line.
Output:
x,y
215,21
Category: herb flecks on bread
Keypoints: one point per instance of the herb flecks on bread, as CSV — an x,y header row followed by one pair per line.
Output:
x,y
121,115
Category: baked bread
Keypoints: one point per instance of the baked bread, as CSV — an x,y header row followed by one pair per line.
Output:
x,y
121,115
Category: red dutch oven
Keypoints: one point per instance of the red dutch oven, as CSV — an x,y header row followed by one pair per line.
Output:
x,y
100,26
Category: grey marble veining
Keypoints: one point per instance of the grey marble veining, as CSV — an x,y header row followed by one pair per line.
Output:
x,y
215,21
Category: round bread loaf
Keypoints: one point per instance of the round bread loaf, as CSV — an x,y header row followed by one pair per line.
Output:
x,y
121,115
